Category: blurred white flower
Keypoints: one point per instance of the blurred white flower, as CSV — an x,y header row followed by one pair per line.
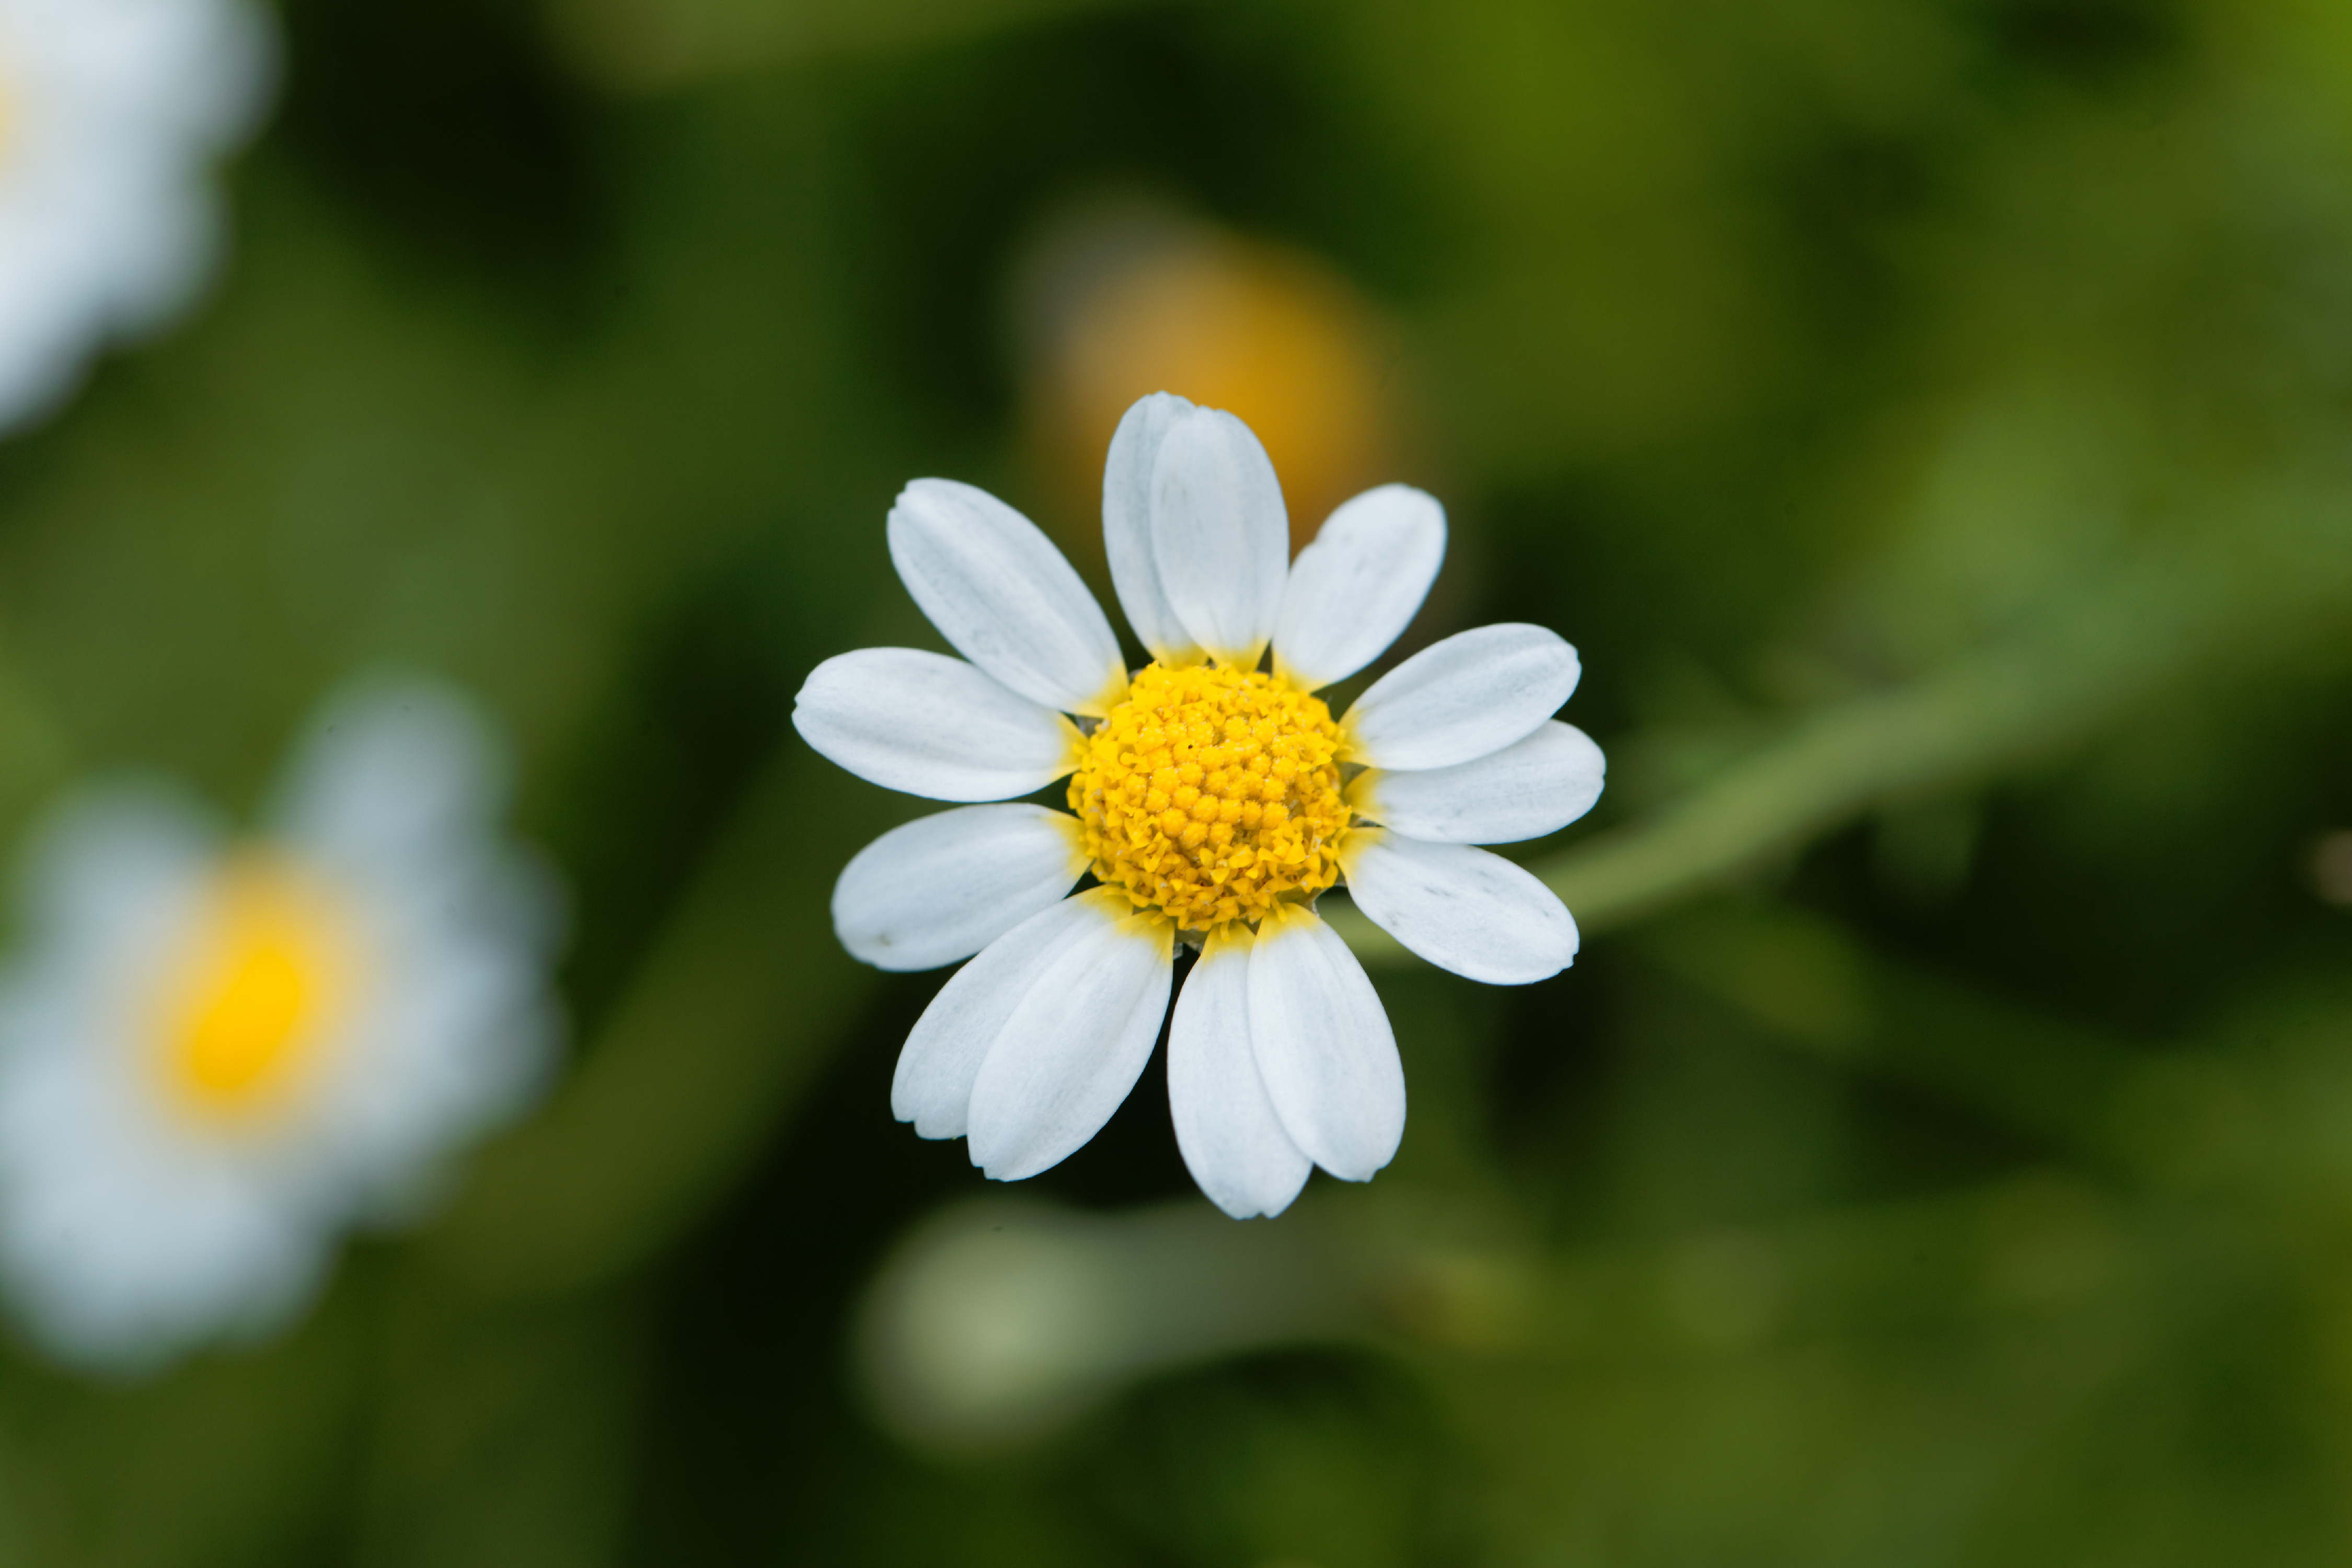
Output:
x,y
111,112
217,1054
1214,803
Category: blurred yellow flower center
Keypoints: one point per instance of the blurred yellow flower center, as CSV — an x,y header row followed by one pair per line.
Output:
x,y
1212,793
257,989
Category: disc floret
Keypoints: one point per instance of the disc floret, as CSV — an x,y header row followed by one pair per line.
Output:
x,y
1213,794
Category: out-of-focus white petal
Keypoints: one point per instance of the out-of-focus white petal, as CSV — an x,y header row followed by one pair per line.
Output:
x,y
1220,537
1354,590
117,865
1127,526
392,797
1324,1049
121,1246
1074,1047
1462,909
392,768
941,887
1528,789
1231,1139
931,725
933,1087
460,1037
1464,698
113,110
1000,592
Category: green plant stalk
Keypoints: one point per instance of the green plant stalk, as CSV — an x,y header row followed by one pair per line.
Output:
x,y
2112,647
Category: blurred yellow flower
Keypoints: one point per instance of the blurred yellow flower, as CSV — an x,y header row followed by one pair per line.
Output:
x,y
1125,304
214,1058
265,978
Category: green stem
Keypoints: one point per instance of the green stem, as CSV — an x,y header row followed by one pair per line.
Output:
x,y
2051,684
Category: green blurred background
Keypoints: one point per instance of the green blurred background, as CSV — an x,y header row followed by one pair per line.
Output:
x,y
1927,417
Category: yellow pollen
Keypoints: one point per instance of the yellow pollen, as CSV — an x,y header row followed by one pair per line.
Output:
x,y
1211,794
252,995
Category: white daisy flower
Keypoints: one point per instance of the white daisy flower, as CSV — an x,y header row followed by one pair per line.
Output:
x,y
111,112
215,1054
1214,801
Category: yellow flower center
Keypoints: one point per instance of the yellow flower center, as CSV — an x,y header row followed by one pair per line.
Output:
x,y
1211,794
257,990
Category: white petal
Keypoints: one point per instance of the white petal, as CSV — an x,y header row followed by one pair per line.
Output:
x,y
1359,586
933,1087
931,725
1462,909
1231,1139
1323,1047
1528,789
1464,698
942,887
1075,1044
1220,538
113,859
1126,527
1000,592
394,767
